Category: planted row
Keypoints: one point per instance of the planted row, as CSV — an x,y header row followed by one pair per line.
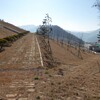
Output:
x,y
3,42
10,39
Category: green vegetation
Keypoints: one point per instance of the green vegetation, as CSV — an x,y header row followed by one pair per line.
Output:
x,y
46,72
38,97
3,42
36,78
10,39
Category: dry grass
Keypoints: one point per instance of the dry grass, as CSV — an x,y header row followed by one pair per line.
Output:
x,y
5,32
72,79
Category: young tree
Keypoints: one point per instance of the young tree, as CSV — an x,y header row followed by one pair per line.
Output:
x,y
98,36
45,29
79,47
97,5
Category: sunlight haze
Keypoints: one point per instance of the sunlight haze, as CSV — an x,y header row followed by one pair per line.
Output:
x,y
77,15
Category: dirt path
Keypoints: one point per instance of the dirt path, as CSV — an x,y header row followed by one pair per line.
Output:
x,y
20,53
18,66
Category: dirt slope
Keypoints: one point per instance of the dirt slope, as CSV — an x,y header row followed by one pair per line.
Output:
x,y
7,29
74,78
17,68
23,78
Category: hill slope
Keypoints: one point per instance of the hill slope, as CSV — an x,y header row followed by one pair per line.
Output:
x,y
7,29
74,78
65,36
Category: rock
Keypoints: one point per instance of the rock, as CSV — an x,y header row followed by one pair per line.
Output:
x,y
11,95
30,90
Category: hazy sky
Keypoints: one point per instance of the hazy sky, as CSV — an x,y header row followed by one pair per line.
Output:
x,y
78,15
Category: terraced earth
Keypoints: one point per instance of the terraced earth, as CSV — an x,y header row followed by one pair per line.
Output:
x,y
23,78
17,64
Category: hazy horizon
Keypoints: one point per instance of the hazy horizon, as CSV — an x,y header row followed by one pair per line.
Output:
x,y
61,27
75,15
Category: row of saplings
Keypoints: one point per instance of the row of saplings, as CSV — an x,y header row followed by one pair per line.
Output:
x,y
7,41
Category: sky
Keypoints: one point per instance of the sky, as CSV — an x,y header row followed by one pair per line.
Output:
x,y
76,15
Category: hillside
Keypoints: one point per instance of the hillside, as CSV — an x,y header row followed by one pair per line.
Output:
x,y
75,76
7,29
61,35
57,33
72,78
90,36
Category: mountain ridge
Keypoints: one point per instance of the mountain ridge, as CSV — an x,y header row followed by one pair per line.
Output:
x,y
89,36
31,28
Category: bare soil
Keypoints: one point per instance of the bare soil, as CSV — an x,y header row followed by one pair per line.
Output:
x,y
22,77
17,64
4,32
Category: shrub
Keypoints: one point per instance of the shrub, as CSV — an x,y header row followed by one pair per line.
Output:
x,y
3,43
36,78
9,38
46,72
38,97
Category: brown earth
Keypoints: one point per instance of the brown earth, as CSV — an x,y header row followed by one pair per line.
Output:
x,y
17,68
22,77
72,79
4,32
75,78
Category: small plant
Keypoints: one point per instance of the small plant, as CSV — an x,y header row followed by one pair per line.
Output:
x,y
36,78
38,97
59,83
52,83
46,72
3,42
50,76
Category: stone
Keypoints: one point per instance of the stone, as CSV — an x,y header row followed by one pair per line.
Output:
x,y
11,95
30,90
23,99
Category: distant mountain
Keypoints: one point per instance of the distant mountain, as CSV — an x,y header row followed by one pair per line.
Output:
x,y
90,36
31,28
57,33
65,36
87,36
